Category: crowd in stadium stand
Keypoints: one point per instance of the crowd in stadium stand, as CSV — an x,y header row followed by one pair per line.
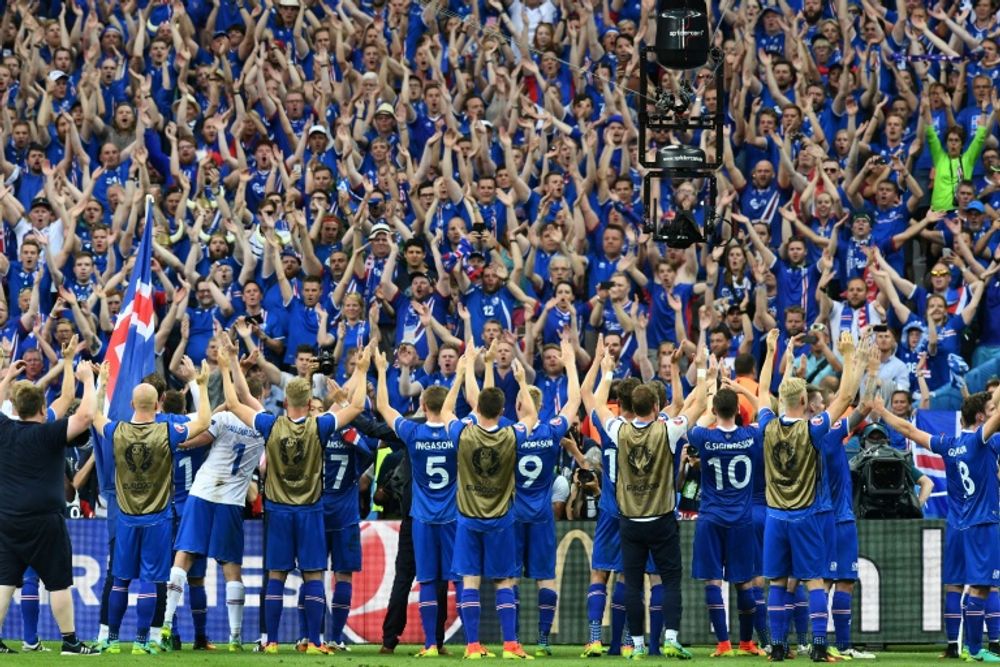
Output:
x,y
432,174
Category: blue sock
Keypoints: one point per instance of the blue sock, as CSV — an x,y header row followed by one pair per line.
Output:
x,y
597,600
458,603
547,599
842,619
818,616
117,604
315,604
507,611
145,607
992,616
802,610
747,607
199,609
428,611
974,610
29,610
789,615
760,617
470,613
274,600
777,614
617,618
340,608
717,612
517,612
655,618
952,616
300,607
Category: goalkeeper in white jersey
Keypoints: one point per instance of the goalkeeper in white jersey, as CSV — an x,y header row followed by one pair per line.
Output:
x,y
212,523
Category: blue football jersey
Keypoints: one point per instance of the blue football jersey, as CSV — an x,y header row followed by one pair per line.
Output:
x,y
609,469
727,464
433,459
345,456
187,462
837,469
971,469
536,469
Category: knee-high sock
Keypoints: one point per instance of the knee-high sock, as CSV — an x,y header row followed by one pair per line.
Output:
x,y
789,616
777,614
507,612
301,608
29,610
236,595
952,615
175,593
517,612
992,616
471,612
974,610
159,613
274,600
655,618
802,612
315,604
617,617
109,582
458,604
747,607
597,600
547,600
760,617
145,607
199,609
818,616
428,611
842,619
717,612
117,603
340,608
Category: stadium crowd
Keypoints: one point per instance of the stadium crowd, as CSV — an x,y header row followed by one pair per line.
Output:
x,y
438,176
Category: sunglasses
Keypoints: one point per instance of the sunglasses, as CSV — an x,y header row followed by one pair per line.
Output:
x,y
940,273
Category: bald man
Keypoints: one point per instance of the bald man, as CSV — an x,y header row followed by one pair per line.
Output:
x,y
141,452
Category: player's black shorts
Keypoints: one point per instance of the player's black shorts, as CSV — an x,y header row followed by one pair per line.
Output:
x,y
39,541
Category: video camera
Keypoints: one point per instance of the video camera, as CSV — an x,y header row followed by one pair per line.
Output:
x,y
883,488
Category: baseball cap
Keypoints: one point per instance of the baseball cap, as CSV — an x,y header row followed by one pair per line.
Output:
x,y
861,215
41,201
385,108
976,205
616,118
318,128
290,252
57,74
288,3
770,8
379,228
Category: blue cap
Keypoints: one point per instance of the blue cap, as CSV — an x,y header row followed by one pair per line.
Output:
x,y
875,428
976,205
616,118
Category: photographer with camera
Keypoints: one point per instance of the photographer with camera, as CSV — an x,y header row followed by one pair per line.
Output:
x,y
585,489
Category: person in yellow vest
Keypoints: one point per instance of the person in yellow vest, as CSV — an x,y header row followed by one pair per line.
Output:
x,y
294,534
484,537
647,449
143,454
799,512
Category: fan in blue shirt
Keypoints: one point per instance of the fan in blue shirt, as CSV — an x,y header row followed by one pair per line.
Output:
x,y
972,537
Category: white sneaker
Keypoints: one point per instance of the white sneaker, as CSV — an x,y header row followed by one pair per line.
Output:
x,y
37,647
858,654
804,649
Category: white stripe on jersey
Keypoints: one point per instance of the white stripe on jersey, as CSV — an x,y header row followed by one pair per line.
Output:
x,y
225,475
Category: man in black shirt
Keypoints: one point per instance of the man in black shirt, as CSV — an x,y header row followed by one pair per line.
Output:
x,y
32,501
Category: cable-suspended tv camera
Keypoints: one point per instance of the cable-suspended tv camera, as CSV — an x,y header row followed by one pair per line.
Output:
x,y
682,43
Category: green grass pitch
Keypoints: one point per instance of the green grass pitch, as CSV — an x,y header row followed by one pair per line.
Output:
x,y
368,656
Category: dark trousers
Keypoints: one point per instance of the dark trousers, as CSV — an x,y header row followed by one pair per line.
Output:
x,y
406,571
660,538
